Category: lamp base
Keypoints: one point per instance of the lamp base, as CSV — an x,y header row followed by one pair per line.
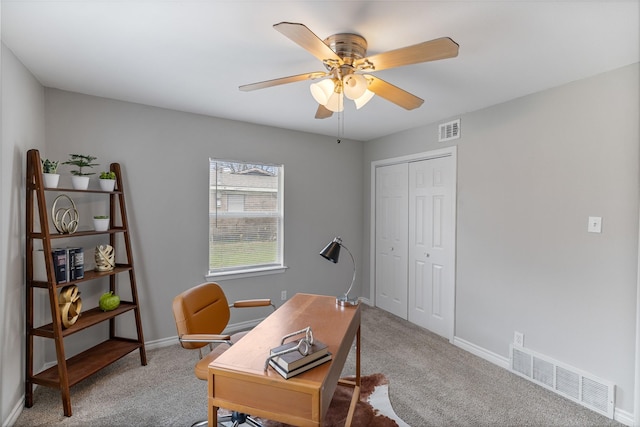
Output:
x,y
345,301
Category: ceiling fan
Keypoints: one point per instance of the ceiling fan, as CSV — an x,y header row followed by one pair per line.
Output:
x,y
344,57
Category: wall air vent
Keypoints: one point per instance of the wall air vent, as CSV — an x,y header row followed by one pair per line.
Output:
x,y
581,387
448,131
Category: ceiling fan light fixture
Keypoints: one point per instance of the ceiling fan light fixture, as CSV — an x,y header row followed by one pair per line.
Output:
x,y
322,90
335,102
366,97
355,85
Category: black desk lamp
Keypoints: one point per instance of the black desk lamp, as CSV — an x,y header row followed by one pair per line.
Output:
x,y
332,253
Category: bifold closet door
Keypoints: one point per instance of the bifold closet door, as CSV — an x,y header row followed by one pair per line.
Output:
x,y
431,251
392,238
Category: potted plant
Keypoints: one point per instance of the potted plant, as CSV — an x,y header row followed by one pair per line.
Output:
x,y
80,179
50,173
107,180
101,222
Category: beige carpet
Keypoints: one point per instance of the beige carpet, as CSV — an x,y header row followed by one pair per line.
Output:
x,y
431,383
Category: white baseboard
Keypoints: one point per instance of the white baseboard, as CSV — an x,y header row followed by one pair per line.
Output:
x,y
15,413
623,417
483,353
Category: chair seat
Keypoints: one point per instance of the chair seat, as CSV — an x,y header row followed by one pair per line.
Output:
x,y
202,367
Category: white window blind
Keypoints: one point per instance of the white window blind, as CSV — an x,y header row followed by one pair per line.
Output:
x,y
245,216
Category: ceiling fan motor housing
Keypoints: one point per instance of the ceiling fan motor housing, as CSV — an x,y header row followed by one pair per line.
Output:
x,y
347,46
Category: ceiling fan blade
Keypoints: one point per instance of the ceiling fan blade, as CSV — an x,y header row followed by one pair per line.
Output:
x,y
283,80
432,50
304,37
323,112
393,93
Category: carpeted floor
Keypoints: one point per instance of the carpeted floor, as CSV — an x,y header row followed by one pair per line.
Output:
x,y
431,383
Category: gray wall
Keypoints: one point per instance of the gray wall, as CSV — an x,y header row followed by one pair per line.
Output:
x,y
530,173
165,159
22,128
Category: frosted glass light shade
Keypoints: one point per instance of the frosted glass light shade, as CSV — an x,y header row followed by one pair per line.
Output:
x,y
355,86
322,90
335,102
366,97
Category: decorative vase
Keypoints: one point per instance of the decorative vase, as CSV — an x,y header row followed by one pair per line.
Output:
x,y
107,184
51,179
101,224
80,182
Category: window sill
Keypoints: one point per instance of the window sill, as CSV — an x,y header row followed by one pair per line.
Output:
x,y
230,275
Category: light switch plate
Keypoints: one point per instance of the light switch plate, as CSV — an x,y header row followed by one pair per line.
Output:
x,y
595,224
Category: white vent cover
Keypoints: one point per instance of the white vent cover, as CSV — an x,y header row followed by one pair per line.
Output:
x,y
449,130
585,389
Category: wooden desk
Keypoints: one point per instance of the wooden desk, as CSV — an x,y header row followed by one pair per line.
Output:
x,y
237,380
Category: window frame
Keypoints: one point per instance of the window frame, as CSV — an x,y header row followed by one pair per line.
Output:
x,y
255,269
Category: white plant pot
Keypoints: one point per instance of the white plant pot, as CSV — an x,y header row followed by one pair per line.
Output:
x,y
80,182
107,184
51,180
101,224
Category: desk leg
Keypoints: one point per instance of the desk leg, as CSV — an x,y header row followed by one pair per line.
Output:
x,y
213,416
356,387
212,411
358,357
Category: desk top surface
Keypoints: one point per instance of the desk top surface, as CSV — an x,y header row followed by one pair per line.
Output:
x,y
331,323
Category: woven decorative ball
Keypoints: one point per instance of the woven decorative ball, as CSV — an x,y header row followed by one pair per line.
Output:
x,y
70,305
105,258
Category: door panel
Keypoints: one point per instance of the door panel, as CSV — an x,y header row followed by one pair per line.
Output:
x,y
391,238
431,245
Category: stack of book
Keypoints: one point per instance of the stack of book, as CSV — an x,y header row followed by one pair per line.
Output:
x,y
68,264
293,363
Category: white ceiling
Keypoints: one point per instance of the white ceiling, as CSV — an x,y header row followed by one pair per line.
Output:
x,y
192,55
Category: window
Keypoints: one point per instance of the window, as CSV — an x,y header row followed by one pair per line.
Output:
x,y
245,217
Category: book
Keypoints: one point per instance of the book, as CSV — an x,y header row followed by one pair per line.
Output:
x,y
75,260
60,264
292,373
295,359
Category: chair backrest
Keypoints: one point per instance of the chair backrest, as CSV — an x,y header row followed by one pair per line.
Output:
x,y
202,309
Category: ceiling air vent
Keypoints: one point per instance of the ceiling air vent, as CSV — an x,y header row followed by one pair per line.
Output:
x,y
449,130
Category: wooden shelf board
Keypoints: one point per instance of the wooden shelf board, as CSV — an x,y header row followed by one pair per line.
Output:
x,y
87,319
87,363
81,233
88,275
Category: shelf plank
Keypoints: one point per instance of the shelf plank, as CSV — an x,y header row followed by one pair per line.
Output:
x,y
81,233
88,275
87,363
73,190
85,320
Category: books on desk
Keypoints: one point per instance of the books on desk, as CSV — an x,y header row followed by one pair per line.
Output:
x,y
295,359
294,362
291,373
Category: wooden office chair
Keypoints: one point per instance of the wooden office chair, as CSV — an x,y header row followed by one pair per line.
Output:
x,y
201,314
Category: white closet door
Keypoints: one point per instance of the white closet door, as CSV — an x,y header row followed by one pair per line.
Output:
x,y
392,238
432,244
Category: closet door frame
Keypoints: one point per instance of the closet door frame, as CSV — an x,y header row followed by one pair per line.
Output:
x,y
432,154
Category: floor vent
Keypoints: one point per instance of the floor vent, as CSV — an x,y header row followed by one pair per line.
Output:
x,y
585,389
449,130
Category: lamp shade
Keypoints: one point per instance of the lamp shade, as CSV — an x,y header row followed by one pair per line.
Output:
x,y
322,90
335,102
332,251
366,97
355,86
